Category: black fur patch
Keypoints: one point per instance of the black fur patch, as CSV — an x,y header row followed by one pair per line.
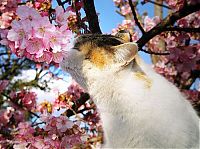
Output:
x,y
98,40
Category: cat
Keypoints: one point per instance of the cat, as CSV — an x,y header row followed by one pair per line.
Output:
x,y
139,108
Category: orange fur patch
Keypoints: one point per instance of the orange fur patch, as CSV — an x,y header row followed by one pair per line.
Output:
x,y
100,57
142,76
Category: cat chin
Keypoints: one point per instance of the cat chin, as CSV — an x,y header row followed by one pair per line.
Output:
x,y
80,80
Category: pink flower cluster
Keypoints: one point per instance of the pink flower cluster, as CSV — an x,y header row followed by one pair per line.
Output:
x,y
117,2
178,4
186,58
47,131
3,84
5,115
7,11
192,20
149,23
59,132
125,9
34,37
192,95
24,99
66,100
127,25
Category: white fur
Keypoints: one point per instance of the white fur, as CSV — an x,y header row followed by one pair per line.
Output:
x,y
133,115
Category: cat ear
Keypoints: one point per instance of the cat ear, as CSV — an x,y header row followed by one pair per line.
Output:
x,y
124,35
125,53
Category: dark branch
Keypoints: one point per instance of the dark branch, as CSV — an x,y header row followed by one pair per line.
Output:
x,y
92,17
154,53
161,5
84,97
133,9
60,3
32,113
180,29
168,21
6,53
33,125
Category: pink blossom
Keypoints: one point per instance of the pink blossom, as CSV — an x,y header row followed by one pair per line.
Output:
x,y
35,46
57,57
3,34
54,40
42,27
19,115
3,84
25,12
46,57
5,19
175,4
5,115
29,100
25,129
150,23
20,33
75,90
51,124
61,16
63,123
117,2
125,9
71,140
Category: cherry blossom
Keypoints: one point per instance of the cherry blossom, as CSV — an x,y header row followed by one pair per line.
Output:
x,y
3,84
61,16
20,33
5,115
150,23
63,124
28,13
41,41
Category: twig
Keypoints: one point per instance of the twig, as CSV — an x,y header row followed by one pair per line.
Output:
x,y
161,5
38,124
154,53
135,17
168,21
92,17
6,53
34,114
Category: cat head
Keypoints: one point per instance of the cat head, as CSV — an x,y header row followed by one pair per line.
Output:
x,y
95,54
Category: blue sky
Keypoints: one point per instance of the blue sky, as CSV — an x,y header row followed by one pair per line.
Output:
x,y
108,17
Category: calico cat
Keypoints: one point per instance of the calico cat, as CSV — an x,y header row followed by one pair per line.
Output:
x,y
138,107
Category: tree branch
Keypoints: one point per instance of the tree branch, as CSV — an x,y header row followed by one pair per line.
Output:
x,y
168,21
60,3
92,17
84,97
6,53
180,29
161,5
135,17
154,53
